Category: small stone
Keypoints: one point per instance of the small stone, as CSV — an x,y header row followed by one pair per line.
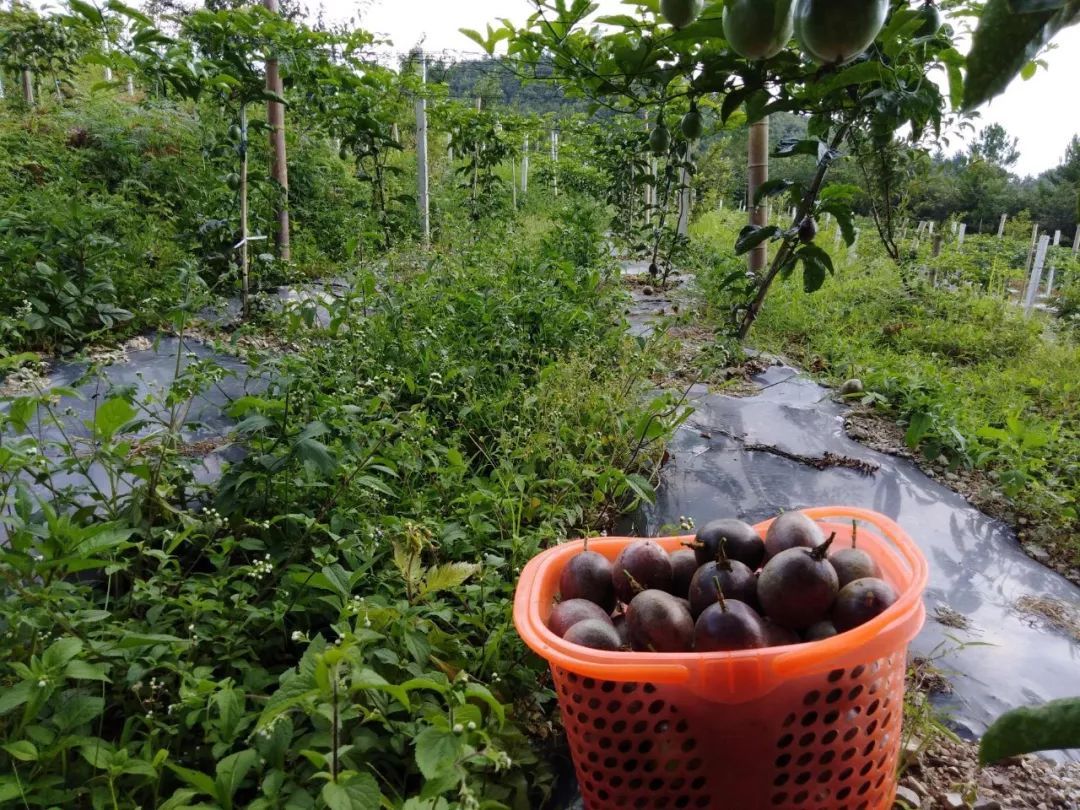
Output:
x,y
646,290
851,387
912,749
987,804
953,801
1037,552
915,785
907,799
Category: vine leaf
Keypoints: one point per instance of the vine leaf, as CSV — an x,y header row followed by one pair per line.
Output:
x,y
753,235
1007,40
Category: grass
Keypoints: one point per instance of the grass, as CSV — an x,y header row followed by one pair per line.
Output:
x,y
974,384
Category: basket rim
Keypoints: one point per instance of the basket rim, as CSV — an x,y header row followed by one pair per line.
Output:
x,y
897,624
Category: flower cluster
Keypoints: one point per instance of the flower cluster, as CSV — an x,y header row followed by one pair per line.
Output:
x,y
686,523
262,568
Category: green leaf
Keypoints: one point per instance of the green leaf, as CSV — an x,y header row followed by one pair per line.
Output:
x,y
475,691
445,577
60,652
87,10
10,789
23,750
813,275
85,671
15,696
789,147
316,454
918,426
132,640
230,775
199,781
771,188
111,416
1052,726
360,792
753,235
437,751
1005,42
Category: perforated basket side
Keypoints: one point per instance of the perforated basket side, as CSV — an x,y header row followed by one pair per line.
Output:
x,y
828,742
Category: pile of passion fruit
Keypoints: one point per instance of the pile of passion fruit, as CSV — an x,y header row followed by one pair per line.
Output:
x,y
726,590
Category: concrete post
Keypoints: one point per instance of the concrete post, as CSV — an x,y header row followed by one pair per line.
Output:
x,y
1036,274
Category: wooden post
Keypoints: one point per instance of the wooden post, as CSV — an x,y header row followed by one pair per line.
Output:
x,y
757,172
279,170
1057,238
422,159
130,85
525,168
1001,225
2,95
960,233
1050,281
1076,240
1036,274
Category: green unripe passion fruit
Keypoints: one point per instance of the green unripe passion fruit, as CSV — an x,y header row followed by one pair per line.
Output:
x,y
680,13
833,32
233,181
931,20
692,124
235,133
758,29
660,140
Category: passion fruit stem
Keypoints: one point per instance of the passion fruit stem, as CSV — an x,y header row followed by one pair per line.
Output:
x,y
722,560
821,551
720,594
693,544
586,546
854,531
637,586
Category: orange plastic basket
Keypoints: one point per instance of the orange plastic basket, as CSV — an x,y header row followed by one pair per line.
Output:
x,y
812,725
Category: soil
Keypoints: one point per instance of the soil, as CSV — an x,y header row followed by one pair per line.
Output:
x,y
947,775
879,432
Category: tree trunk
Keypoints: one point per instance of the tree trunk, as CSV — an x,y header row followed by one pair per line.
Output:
x,y
279,169
757,172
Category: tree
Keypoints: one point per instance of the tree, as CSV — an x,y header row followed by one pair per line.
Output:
x,y
994,146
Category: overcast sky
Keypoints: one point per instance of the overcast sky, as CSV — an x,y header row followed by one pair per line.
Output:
x,y
1042,113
